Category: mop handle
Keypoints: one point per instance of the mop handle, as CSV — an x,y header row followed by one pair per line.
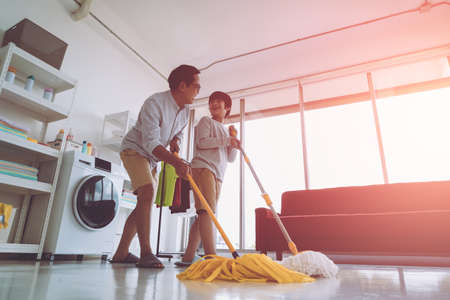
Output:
x,y
291,244
210,213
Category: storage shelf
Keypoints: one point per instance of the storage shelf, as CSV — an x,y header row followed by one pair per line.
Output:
x,y
43,72
33,106
23,186
126,204
122,122
18,248
113,143
45,110
120,119
17,142
117,119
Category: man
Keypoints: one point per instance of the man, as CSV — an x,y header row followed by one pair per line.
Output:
x,y
161,122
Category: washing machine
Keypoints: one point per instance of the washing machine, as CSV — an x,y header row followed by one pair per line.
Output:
x,y
83,218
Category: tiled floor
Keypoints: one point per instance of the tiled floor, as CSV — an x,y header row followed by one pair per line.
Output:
x,y
95,280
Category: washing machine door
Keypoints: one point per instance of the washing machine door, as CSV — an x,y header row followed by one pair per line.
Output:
x,y
95,202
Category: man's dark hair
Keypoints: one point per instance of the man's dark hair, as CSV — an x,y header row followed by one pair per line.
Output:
x,y
183,73
222,96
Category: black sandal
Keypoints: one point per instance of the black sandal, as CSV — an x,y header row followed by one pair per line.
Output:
x,y
130,259
150,261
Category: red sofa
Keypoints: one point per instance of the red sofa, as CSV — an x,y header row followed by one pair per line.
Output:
x,y
409,222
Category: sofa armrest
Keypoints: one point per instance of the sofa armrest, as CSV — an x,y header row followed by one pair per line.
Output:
x,y
261,216
268,235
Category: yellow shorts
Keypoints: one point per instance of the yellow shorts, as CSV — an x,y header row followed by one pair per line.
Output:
x,y
209,186
138,168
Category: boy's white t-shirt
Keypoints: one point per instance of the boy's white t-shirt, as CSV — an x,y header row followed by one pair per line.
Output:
x,y
212,148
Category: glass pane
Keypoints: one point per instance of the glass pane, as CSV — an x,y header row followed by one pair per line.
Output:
x,y
336,87
273,146
415,135
342,146
284,97
410,73
228,205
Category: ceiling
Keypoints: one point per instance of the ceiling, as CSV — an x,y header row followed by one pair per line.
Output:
x,y
172,32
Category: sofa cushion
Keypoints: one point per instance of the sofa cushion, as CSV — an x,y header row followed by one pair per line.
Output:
x,y
397,197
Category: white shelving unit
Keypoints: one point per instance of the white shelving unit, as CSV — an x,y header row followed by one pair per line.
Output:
x,y
126,204
23,186
115,126
126,184
112,143
46,111
20,143
47,159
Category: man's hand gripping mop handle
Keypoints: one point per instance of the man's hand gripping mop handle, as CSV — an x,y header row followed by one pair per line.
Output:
x,y
291,245
211,213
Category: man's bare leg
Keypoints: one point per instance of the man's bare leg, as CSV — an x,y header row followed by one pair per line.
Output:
x,y
137,222
129,231
143,213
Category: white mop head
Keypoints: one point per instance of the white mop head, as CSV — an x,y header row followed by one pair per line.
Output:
x,y
311,263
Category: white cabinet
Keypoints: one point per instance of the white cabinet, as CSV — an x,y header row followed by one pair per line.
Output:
x,y
115,126
31,105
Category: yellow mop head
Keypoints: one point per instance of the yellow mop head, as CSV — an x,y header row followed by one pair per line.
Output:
x,y
248,268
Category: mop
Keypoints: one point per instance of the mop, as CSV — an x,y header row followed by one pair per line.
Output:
x,y
248,268
308,262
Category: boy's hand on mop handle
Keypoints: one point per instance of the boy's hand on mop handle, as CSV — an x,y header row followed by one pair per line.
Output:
x,y
235,143
232,130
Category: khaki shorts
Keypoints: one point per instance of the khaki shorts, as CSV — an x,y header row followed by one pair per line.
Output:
x,y
138,168
209,186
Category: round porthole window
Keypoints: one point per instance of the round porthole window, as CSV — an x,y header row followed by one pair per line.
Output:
x,y
95,202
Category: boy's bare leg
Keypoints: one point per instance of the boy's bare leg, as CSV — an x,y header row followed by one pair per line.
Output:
x,y
193,243
206,233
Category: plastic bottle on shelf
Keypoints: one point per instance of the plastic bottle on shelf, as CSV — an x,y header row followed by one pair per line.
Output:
x,y
60,135
29,84
84,148
48,94
10,75
89,148
70,135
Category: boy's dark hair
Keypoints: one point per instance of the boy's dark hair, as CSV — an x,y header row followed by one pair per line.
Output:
x,y
221,96
182,73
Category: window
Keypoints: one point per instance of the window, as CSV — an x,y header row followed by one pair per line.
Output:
x,y
415,135
342,146
228,204
273,146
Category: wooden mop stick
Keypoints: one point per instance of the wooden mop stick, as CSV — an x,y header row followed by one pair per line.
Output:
x,y
211,214
291,244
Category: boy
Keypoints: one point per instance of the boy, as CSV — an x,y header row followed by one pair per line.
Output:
x,y
161,121
213,149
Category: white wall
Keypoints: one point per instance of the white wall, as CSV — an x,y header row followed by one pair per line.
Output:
x,y
110,77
